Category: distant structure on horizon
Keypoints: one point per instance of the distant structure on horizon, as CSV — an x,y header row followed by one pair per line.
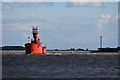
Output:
x,y
101,41
119,33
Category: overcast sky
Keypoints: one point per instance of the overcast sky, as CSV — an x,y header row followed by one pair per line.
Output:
x,y
61,25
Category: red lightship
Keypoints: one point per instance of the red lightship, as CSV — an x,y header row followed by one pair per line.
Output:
x,y
35,47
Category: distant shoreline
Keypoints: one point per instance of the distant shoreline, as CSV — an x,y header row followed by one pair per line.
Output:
x,y
53,52
72,49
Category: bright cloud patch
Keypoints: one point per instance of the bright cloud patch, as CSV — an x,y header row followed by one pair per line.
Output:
x,y
104,19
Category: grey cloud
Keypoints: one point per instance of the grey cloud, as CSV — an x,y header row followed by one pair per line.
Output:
x,y
9,6
86,4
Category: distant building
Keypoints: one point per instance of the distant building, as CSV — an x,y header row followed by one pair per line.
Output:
x,y
108,49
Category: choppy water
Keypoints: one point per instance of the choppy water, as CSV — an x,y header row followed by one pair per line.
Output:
x,y
64,65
